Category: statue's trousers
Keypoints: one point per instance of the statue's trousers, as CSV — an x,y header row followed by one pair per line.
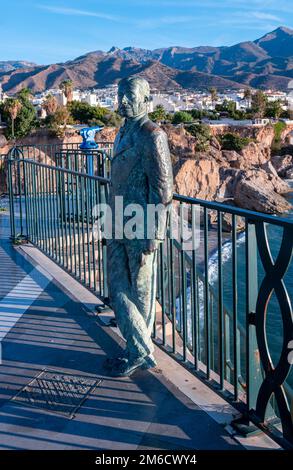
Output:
x,y
132,291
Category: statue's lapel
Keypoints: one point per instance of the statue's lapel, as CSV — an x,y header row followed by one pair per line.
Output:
x,y
125,139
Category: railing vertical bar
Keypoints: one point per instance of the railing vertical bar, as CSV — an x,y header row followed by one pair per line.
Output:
x,y
78,218
25,200
195,312
220,302
206,295
235,301
11,162
69,219
46,214
72,192
61,216
163,287
99,261
172,286
82,208
39,206
89,281
65,215
53,213
183,283
50,213
94,234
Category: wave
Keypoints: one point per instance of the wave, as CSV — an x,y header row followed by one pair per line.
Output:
x,y
213,269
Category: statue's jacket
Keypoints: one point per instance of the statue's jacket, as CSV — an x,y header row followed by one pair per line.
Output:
x,y
141,172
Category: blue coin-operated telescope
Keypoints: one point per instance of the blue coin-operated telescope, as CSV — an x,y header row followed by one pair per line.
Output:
x,y
88,143
88,137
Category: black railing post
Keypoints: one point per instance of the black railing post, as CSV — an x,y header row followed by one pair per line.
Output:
x,y
253,365
11,196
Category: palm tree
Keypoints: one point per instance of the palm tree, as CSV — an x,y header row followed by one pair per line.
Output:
x,y
50,104
67,87
12,106
247,94
214,95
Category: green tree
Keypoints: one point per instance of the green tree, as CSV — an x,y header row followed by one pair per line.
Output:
x,y
196,114
274,109
84,113
182,117
258,104
21,123
25,93
159,114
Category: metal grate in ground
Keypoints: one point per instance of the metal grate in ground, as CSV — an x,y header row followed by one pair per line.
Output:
x,y
57,392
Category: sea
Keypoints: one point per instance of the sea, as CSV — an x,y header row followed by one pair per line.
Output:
x,y
274,323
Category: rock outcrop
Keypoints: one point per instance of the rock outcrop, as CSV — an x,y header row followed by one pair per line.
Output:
x,y
220,174
282,164
197,178
250,195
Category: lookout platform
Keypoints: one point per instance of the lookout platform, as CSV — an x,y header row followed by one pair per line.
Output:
x,y
54,392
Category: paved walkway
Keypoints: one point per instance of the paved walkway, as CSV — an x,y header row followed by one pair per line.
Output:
x,y
42,328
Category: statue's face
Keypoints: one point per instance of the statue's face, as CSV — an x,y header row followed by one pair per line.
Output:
x,y
131,100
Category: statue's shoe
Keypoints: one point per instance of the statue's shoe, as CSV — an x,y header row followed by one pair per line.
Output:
x,y
127,367
111,362
149,362
114,362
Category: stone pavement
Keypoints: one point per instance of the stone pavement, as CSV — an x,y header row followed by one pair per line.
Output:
x,y
44,328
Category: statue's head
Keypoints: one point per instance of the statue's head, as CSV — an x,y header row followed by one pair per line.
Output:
x,y
133,97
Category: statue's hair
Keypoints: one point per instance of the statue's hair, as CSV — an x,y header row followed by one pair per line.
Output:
x,y
141,82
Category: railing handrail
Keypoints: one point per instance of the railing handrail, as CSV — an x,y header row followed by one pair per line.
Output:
x,y
248,214
60,169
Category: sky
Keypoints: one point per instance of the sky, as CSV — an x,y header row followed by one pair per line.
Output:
x,y
48,31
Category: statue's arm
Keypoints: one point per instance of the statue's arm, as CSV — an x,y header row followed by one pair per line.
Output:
x,y
159,169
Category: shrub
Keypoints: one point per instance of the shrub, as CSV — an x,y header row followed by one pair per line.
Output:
x,y
180,117
202,134
234,142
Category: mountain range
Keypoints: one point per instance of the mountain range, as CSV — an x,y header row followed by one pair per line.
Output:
x,y
264,63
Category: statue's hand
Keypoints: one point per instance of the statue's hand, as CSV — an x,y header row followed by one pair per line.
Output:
x,y
152,245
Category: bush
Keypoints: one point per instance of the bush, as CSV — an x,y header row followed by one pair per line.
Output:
x,y
84,113
181,117
234,142
202,134
58,121
279,127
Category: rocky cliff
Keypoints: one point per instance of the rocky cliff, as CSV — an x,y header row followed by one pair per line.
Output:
x,y
248,177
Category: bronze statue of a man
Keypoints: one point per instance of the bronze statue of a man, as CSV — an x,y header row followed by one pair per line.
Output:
x,y
142,175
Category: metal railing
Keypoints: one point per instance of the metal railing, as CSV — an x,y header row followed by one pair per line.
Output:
x,y
221,294
3,173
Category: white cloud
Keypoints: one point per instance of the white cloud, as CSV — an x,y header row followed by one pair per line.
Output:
x,y
152,23
265,16
77,12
